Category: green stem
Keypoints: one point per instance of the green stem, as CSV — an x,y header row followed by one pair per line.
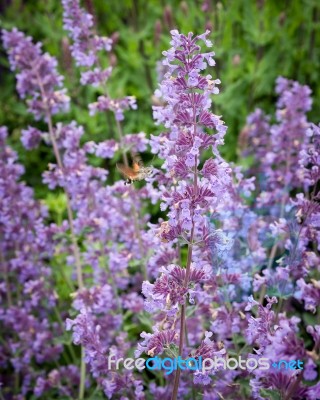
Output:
x,y
75,246
93,395
183,316
188,267
76,251
120,133
278,310
73,356
82,375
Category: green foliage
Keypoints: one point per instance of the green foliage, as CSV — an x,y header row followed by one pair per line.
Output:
x,y
255,41
270,394
56,204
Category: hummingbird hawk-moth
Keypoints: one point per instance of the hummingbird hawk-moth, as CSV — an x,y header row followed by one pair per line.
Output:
x,y
137,172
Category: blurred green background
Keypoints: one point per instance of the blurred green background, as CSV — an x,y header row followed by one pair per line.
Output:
x,y
254,41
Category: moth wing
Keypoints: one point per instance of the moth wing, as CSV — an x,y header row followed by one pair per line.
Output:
x,y
127,172
137,163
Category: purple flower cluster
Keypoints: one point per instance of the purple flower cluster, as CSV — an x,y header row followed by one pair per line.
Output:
x,y
233,269
235,245
191,191
287,193
86,44
278,146
110,251
117,106
97,213
27,297
38,79
85,48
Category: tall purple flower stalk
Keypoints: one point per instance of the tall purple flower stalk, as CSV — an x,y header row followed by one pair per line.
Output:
x,y
226,234
117,206
27,295
85,48
277,147
100,211
38,81
190,188
287,160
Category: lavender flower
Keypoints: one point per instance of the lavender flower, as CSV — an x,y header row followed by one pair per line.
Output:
x,y
309,293
38,79
86,44
189,191
227,237
85,48
27,297
117,106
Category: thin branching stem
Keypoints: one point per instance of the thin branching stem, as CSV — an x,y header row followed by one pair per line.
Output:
x,y
183,328
76,250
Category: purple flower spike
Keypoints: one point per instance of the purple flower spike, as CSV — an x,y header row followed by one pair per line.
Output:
x,y
37,79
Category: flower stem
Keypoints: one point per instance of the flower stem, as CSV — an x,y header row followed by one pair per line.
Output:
x,y
183,314
272,255
188,266
120,133
75,246
82,375
76,251
183,317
